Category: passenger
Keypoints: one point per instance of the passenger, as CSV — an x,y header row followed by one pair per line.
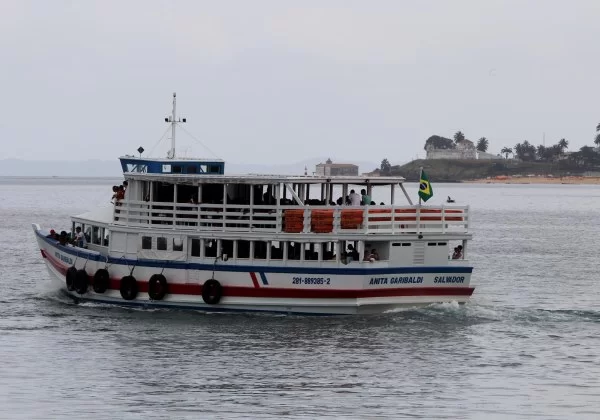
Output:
x,y
367,256
121,192
382,204
457,255
353,252
373,203
115,193
374,254
80,238
354,198
62,239
365,198
52,234
340,201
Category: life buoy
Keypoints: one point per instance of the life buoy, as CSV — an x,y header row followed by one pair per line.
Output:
x,y
129,288
81,282
212,291
101,280
70,278
157,287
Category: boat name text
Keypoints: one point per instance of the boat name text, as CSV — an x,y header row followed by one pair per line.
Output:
x,y
63,258
396,280
449,279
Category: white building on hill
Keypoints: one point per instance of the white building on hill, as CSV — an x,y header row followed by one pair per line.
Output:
x,y
465,149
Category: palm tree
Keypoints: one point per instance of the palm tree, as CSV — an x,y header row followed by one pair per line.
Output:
x,y
506,151
482,144
458,137
563,144
597,140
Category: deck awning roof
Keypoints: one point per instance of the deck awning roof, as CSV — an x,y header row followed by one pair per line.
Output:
x,y
266,179
99,216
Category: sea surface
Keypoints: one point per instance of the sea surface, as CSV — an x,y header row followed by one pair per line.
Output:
x,y
526,346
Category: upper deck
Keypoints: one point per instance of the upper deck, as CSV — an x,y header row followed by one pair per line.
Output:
x,y
279,205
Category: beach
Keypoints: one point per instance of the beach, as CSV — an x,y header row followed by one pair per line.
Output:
x,y
578,180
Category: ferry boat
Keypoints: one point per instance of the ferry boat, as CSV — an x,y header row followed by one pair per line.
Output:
x,y
187,235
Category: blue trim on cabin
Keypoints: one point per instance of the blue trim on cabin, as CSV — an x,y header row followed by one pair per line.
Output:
x,y
356,271
149,166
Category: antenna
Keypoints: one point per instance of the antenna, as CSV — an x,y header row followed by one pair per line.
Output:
x,y
173,121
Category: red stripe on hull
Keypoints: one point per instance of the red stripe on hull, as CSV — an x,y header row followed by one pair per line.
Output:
x,y
254,280
273,292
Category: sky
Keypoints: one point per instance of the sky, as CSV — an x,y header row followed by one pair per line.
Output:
x,y
282,81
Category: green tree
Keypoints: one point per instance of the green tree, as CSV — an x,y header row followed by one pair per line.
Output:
x,y
525,151
597,139
386,167
482,144
506,151
439,142
458,137
563,144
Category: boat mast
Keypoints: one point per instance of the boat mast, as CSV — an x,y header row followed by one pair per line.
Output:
x,y
173,121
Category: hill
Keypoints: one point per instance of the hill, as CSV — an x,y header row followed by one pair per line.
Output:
x,y
454,170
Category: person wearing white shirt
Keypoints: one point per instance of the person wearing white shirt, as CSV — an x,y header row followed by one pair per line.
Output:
x,y
354,198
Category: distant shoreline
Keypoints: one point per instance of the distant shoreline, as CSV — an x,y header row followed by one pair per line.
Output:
x,y
576,180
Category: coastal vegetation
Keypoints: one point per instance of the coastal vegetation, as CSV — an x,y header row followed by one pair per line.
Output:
x,y
524,158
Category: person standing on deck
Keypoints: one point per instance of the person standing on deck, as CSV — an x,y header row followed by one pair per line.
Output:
x,y
354,198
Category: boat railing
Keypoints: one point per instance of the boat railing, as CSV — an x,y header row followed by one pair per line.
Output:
x,y
293,219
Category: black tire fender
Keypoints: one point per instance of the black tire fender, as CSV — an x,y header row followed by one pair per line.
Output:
x,y
70,278
157,287
82,281
212,291
129,288
101,280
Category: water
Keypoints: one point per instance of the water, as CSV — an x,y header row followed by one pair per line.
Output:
x,y
525,346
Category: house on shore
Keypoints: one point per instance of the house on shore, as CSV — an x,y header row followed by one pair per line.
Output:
x,y
336,169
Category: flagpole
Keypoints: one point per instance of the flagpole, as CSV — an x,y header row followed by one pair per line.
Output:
x,y
420,176
419,206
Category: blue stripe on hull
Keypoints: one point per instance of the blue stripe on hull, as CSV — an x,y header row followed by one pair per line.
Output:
x,y
81,253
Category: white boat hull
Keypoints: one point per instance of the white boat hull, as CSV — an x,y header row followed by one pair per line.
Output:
x,y
266,289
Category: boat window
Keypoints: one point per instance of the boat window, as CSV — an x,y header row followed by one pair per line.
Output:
x,y
161,244
166,168
187,194
176,169
163,192
195,251
310,252
431,244
106,236
96,238
277,250
213,169
260,250
203,168
146,242
442,244
227,248
328,250
191,169
243,249
406,244
177,244
294,250
210,248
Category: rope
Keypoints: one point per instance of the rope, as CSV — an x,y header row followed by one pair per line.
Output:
x,y
159,140
196,139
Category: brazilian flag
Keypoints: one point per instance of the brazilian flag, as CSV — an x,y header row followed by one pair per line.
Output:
x,y
425,190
